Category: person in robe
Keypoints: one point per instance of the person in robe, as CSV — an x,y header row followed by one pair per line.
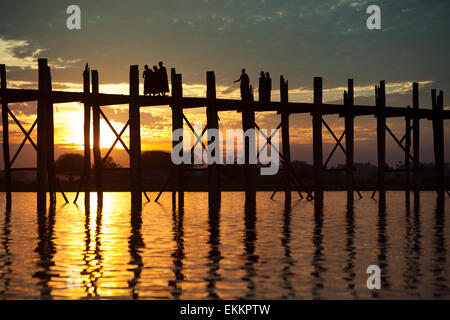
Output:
x,y
147,75
154,82
262,87
245,85
268,87
164,82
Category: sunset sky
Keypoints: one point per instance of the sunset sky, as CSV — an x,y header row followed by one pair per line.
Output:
x,y
298,39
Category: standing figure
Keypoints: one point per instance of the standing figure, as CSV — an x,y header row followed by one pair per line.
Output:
x,y
155,82
268,87
163,78
245,85
262,87
147,75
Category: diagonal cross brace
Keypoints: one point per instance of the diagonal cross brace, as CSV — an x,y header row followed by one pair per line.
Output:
x,y
338,144
114,144
114,130
334,136
334,149
398,142
22,128
268,140
198,138
27,137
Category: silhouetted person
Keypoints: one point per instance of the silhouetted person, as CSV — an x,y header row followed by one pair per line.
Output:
x,y
262,89
155,82
147,75
163,79
268,87
245,85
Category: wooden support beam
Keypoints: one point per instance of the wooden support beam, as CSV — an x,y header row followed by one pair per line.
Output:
x,y
285,139
135,141
97,152
407,152
438,139
5,127
416,140
87,134
380,97
51,174
349,140
42,135
177,123
317,142
212,118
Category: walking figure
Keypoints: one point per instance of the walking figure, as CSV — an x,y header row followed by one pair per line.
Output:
x,y
245,85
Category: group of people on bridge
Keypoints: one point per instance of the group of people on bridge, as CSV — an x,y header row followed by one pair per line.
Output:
x,y
155,81
264,90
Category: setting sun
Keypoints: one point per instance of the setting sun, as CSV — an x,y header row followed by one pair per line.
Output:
x,y
69,127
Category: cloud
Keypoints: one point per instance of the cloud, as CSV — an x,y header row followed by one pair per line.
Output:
x,y
19,53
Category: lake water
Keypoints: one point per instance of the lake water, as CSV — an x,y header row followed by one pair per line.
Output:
x,y
72,253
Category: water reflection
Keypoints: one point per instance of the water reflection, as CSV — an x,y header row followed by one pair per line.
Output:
x,y
249,245
440,250
214,255
349,268
93,254
382,244
225,253
178,254
318,256
5,257
46,251
286,273
136,245
412,244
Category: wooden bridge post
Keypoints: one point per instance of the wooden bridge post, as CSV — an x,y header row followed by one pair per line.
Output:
x,y
349,140
87,134
177,123
135,140
438,134
42,135
51,175
381,141
5,127
212,118
416,139
317,142
97,152
407,151
248,126
285,139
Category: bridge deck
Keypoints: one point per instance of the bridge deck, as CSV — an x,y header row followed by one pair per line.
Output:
x,y
103,99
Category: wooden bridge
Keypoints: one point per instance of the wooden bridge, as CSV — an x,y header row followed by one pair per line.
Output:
x,y
92,99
